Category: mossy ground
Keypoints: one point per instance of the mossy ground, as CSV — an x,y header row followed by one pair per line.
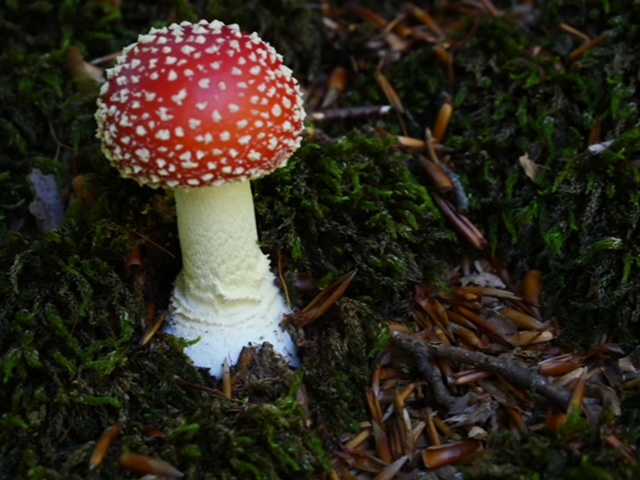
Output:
x,y
72,313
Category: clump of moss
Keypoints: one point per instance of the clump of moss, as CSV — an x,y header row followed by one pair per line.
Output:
x,y
337,359
71,365
353,203
70,358
586,229
341,205
577,220
575,453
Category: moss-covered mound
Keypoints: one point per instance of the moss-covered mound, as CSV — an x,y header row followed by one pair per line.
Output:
x,y
72,316
522,86
72,365
578,219
354,203
71,360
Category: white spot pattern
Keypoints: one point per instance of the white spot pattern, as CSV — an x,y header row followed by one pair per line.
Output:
x,y
148,133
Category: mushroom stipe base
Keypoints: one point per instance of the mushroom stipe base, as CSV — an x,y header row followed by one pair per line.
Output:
x,y
226,293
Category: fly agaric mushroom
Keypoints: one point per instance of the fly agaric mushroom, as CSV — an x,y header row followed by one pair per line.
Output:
x,y
202,109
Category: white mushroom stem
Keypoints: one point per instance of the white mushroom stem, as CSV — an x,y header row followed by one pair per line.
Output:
x,y
226,293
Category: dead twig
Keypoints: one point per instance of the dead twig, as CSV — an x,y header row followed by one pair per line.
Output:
x,y
324,300
513,373
416,348
349,112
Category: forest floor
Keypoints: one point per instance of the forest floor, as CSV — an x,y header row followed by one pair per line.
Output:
x,y
458,238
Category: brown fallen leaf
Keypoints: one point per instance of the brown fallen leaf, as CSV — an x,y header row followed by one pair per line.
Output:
x,y
103,444
531,168
145,465
79,69
323,301
449,453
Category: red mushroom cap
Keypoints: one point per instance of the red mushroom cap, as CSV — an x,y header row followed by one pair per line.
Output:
x,y
199,104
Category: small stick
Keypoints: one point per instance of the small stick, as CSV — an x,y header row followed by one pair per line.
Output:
x,y
574,31
442,397
513,373
349,112
585,47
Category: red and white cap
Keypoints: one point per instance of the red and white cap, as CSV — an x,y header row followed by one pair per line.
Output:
x,y
199,104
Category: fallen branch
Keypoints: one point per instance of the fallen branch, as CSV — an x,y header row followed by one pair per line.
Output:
x,y
518,376
452,404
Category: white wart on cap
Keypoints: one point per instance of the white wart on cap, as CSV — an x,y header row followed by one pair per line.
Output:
x,y
199,104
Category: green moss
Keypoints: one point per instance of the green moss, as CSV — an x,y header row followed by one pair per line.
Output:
x,y
71,366
69,329
577,221
337,206
353,203
580,212
337,366
545,456
70,363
